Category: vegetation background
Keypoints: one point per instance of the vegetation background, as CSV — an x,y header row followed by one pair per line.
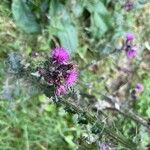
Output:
x,y
92,31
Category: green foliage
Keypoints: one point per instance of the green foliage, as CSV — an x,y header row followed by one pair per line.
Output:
x,y
100,18
143,101
89,30
23,127
69,32
24,17
65,30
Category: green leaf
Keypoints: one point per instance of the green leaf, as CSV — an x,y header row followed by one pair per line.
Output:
x,y
148,112
60,22
98,25
82,52
69,38
42,98
24,17
77,9
100,18
69,140
58,12
97,6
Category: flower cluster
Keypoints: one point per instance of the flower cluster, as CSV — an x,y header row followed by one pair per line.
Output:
x,y
130,49
60,72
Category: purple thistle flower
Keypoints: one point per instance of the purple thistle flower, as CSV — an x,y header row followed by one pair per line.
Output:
x,y
60,72
104,147
139,87
60,55
71,78
128,6
130,36
60,90
131,53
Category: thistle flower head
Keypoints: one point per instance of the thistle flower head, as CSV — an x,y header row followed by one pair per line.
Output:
x,y
128,6
132,53
60,90
59,72
104,147
139,87
71,78
60,55
130,36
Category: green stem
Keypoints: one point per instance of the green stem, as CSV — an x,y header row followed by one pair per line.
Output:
x,y
91,119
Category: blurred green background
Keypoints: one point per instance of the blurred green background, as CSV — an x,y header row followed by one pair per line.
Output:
x,y
91,30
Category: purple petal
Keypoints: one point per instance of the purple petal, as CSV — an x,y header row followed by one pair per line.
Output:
x,y
71,77
104,147
60,55
131,53
130,36
139,88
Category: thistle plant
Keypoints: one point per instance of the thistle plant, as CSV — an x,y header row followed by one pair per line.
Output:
x,y
82,93
60,74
